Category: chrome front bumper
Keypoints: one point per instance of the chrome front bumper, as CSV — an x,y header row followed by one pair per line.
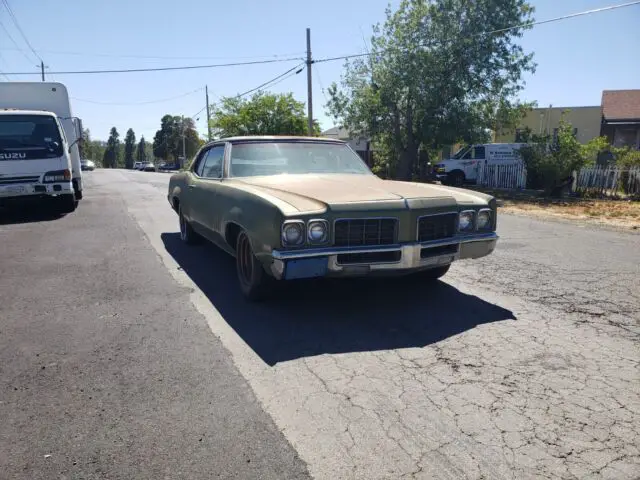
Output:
x,y
409,257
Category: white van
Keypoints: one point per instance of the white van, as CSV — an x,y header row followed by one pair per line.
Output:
x,y
35,164
50,97
462,167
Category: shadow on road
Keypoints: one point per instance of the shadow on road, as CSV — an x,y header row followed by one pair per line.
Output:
x,y
338,316
12,217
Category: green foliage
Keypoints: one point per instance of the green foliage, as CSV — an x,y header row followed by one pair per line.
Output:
x,y
141,151
91,149
434,79
626,157
551,160
111,153
167,142
262,114
129,148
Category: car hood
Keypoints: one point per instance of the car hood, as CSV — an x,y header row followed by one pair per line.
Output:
x,y
313,192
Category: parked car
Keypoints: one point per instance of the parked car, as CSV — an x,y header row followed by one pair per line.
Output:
x,y
87,165
297,207
137,165
148,167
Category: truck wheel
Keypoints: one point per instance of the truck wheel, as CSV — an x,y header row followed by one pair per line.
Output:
x,y
67,204
433,273
255,283
456,178
187,234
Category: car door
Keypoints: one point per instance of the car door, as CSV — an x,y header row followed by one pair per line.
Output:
x,y
203,190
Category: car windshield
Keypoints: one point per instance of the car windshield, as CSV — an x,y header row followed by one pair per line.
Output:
x,y
26,133
294,157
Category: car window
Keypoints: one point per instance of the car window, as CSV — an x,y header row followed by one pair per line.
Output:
x,y
200,164
479,152
212,163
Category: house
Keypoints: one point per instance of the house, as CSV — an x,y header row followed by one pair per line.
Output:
x,y
586,123
620,121
361,145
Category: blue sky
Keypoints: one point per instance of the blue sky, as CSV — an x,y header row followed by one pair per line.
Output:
x,y
577,58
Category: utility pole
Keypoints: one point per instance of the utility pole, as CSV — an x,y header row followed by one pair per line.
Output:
x,y
309,84
184,147
206,90
42,69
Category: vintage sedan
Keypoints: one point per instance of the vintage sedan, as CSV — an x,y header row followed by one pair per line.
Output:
x,y
290,208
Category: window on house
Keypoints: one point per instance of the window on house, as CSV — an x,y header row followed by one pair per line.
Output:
x,y
575,133
519,135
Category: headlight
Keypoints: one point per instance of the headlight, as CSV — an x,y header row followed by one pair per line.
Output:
x,y
293,233
317,231
484,219
57,176
465,221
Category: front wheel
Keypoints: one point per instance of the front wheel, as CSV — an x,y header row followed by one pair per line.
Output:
x,y
255,283
456,178
187,234
68,204
433,273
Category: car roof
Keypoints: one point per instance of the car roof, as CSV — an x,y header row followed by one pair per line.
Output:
x,y
18,111
275,138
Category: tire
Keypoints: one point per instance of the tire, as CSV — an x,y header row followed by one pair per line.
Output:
x,y
456,178
433,273
255,284
68,204
187,234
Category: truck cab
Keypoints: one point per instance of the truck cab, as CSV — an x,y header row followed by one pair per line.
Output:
x,y
35,161
462,167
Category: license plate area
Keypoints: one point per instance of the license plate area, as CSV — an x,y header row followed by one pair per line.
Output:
x,y
306,268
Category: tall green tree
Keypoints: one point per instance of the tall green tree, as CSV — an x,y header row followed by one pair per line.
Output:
x,y
168,141
129,148
141,150
91,149
262,114
438,73
111,154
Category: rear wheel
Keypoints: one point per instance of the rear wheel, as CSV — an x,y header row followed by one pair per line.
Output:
x,y
187,234
255,283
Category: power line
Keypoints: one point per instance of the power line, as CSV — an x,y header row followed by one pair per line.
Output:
x,y
262,85
163,57
165,69
15,22
15,43
140,103
523,25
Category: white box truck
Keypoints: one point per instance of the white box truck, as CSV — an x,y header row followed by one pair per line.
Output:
x,y
39,106
462,167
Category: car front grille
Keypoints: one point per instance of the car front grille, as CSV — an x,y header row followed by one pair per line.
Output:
x,y
11,180
365,232
437,227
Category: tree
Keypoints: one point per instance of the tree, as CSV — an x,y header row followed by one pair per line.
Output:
x,y
262,114
167,141
141,151
129,148
435,76
110,158
552,159
91,149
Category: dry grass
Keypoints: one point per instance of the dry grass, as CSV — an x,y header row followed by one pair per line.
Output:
x,y
621,214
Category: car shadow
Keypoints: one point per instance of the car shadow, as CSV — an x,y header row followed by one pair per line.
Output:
x,y
315,317
13,217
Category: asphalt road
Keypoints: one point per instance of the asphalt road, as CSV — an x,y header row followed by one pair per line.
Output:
x,y
124,354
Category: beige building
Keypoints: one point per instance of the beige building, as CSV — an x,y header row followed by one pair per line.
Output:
x,y
586,123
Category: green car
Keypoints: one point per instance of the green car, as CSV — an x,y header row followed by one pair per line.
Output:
x,y
289,208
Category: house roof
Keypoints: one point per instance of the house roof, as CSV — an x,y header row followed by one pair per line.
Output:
x,y
338,132
621,104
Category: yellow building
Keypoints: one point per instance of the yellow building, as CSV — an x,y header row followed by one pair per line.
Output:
x,y
586,123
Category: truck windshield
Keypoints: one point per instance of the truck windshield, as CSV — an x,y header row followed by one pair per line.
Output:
x,y
31,135
294,157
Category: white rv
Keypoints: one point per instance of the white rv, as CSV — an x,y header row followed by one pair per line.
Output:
x,y
28,98
463,166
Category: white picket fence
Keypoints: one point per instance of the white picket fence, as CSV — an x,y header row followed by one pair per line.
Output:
x,y
509,176
608,180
